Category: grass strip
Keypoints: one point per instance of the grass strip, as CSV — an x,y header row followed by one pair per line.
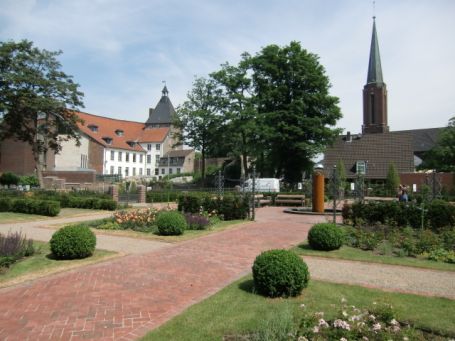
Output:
x,y
350,253
237,310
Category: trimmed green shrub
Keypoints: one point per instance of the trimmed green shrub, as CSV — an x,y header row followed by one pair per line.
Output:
x,y
161,196
171,223
5,204
325,237
73,242
9,178
280,273
441,214
30,206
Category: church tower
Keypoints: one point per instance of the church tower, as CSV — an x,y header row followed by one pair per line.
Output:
x,y
374,92
163,114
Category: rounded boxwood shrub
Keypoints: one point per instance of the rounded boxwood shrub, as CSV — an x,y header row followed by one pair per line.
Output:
x,y
171,223
325,237
72,242
280,273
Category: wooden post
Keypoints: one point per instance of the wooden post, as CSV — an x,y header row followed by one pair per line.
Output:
x,y
318,191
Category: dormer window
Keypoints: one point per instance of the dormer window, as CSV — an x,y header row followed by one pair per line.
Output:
x,y
119,132
107,139
131,143
93,127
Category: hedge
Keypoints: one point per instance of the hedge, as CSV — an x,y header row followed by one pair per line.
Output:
x,y
30,206
438,215
230,206
161,196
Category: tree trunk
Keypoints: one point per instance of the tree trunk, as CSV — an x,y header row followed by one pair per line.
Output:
x,y
203,166
244,158
39,167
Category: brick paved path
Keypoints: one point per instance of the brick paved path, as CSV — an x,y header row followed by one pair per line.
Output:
x,y
124,298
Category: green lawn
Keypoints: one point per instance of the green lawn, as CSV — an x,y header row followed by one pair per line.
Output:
x,y
351,253
236,310
42,263
188,234
11,217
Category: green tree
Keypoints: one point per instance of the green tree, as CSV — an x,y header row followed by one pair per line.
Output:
x,y
341,170
198,120
37,100
442,156
296,111
392,179
238,109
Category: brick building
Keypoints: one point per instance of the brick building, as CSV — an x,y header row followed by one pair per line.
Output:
x,y
371,152
108,146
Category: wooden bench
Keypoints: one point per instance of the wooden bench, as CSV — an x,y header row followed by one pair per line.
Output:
x,y
261,200
290,199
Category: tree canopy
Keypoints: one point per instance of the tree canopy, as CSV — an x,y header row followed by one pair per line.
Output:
x,y
37,99
442,156
273,108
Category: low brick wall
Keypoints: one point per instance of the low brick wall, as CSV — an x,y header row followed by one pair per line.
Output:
x,y
80,177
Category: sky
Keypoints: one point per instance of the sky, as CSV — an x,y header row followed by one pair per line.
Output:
x,y
121,51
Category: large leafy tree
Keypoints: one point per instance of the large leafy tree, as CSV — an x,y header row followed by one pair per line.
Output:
x,y
238,109
296,111
442,156
199,122
37,99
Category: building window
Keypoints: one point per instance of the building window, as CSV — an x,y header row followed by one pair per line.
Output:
x,y
157,171
120,156
127,157
158,146
134,171
140,171
178,170
84,160
170,170
149,146
119,132
149,159
134,157
107,139
112,169
141,158
148,171
157,159
361,167
112,155
163,171
93,127
120,171
127,171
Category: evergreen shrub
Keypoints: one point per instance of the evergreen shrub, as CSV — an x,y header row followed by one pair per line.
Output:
x,y
73,242
30,206
325,237
280,273
170,223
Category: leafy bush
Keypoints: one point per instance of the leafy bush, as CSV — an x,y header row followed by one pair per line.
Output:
x,y
448,239
280,273
170,223
325,237
196,221
72,242
9,179
441,255
30,206
30,180
161,196
427,241
441,214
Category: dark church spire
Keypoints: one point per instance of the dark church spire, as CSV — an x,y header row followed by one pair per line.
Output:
x,y
374,92
374,66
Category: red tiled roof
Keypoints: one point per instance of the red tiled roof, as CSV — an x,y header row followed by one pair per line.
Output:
x,y
132,131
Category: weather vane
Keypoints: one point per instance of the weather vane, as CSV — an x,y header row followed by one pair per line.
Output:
x,y
374,9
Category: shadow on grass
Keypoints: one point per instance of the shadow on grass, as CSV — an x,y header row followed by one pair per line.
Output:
x,y
51,256
305,247
248,286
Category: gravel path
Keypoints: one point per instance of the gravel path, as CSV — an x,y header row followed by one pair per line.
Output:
x,y
37,230
385,277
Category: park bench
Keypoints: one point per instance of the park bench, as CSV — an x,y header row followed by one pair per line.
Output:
x,y
262,200
290,199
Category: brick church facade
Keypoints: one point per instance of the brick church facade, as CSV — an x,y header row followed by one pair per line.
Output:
x,y
371,152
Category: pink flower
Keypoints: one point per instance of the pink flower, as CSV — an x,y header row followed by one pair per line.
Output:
x,y
341,324
376,327
323,323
